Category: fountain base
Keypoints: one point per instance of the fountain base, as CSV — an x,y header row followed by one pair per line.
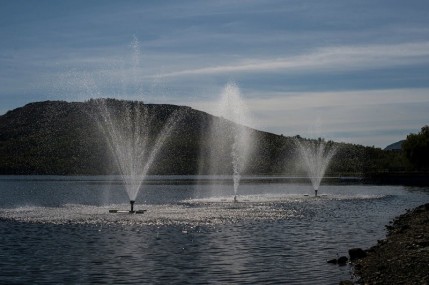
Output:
x,y
130,211
113,211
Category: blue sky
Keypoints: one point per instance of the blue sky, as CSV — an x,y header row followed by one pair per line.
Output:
x,y
352,71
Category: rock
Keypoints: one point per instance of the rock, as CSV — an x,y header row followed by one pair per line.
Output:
x,y
425,249
332,261
403,229
346,282
356,253
423,243
342,260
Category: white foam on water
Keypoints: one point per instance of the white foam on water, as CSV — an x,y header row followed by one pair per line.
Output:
x,y
206,211
184,213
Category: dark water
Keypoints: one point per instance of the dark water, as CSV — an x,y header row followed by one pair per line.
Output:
x,y
58,230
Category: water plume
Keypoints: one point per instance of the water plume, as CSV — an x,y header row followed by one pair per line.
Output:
x,y
128,129
315,156
230,139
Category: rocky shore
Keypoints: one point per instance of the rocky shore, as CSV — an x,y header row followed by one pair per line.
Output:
x,y
401,258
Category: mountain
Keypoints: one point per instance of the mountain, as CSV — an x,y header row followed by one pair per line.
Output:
x,y
397,146
57,137
64,138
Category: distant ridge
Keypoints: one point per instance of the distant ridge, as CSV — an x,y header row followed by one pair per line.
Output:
x,y
61,138
397,146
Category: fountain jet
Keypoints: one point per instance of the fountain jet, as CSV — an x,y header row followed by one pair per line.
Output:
x,y
315,157
134,131
127,127
230,139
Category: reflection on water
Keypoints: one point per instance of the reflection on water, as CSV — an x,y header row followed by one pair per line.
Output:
x,y
58,230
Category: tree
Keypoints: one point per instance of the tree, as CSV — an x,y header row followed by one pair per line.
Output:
x,y
416,148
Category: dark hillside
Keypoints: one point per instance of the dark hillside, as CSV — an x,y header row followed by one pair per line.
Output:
x,y
51,138
62,138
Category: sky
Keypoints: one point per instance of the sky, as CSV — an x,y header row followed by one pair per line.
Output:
x,y
347,70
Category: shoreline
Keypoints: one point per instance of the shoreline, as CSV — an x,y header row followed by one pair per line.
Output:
x,y
403,256
406,178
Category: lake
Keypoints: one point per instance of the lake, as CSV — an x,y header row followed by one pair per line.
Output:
x,y
56,229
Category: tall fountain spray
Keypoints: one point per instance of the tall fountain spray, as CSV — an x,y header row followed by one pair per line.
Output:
x,y
128,128
134,132
230,139
315,156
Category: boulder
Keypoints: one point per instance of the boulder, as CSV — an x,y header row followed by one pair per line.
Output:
x,y
356,253
342,260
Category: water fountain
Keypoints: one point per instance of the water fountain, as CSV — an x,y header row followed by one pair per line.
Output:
x,y
128,129
134,132
230,139
315,156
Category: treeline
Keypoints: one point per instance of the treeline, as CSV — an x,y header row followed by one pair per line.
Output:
x,y
416,149
61,138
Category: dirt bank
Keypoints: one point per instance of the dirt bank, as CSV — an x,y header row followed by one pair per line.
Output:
x,y
401,258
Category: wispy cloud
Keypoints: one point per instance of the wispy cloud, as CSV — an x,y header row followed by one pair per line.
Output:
x,y
309,100
337,58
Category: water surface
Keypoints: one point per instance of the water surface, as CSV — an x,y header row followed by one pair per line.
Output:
x,y
58,230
